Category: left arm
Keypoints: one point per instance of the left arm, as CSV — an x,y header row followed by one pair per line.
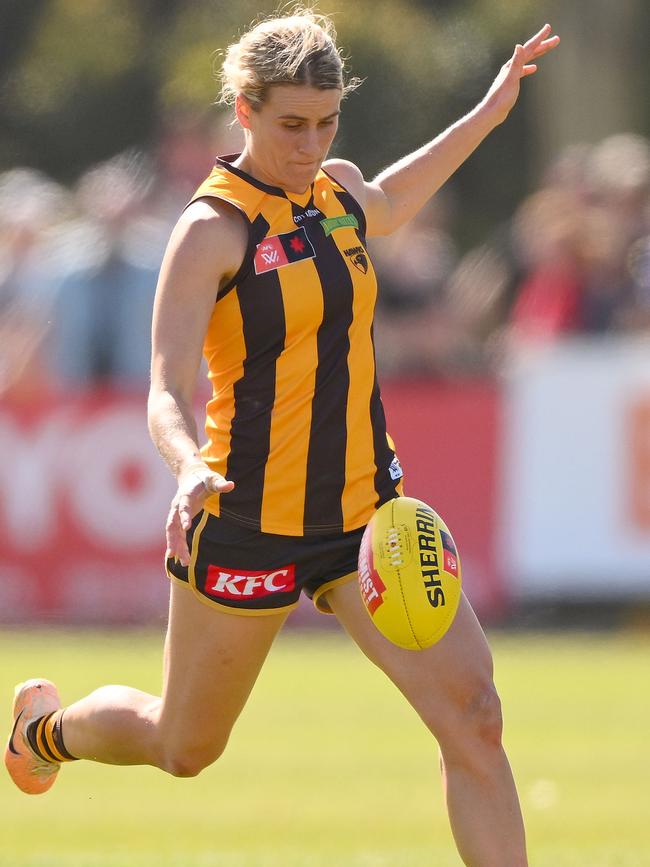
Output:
x,y
398,193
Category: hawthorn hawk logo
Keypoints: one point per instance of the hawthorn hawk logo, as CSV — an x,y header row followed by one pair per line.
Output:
x,y
358,257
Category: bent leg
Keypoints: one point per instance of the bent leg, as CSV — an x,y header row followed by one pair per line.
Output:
x,y
212,660
450,686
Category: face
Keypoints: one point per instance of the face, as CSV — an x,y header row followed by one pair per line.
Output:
x,y
288,137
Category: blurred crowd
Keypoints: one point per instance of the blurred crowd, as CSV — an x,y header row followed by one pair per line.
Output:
x,y
574,259
78,265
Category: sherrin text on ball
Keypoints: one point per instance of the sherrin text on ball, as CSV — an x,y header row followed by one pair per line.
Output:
x,y
409,573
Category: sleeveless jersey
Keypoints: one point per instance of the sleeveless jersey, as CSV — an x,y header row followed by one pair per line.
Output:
x,y
295,419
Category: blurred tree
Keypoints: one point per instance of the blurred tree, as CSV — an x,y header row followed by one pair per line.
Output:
x,y
600,85
65,94
19,19
83,79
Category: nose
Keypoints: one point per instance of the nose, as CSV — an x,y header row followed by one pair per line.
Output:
x,y
309,145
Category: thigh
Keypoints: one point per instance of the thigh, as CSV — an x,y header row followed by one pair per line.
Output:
x,y
212,660
441,682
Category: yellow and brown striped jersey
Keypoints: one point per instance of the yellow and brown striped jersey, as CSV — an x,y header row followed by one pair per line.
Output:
x,y
295,418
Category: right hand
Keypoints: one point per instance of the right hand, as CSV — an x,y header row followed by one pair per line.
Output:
x,y
195,485
504,91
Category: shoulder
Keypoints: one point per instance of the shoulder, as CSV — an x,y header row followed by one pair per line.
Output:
x,y
372,200
212,234
214,218
349,176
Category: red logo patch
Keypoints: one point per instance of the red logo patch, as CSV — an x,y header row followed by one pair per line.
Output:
x,y
226,584
371,586
280,250
451,563
450,557
270,255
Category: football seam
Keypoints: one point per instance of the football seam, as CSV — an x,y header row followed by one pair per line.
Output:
x,y
401,590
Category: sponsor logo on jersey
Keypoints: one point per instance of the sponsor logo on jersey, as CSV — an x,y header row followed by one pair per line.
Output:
x,y
225,583
450,555
280,250
428,550
358,257
307,214
371,585
395,469
347,221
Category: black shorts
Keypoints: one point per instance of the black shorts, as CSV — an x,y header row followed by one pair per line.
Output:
x,y
247,572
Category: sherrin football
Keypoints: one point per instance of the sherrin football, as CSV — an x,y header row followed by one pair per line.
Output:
x,y
409,573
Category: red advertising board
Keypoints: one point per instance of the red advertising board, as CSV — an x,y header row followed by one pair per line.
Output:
x,y
83,501
448,436
84,495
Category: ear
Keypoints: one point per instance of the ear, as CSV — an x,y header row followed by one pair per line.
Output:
x,y
243,111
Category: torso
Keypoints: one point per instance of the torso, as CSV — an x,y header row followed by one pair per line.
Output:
x,y
296,419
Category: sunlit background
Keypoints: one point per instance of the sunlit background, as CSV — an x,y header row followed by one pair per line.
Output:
x,y
512,330
513,318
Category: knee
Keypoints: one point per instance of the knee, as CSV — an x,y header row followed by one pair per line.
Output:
x,y
483,715
187,761
474,720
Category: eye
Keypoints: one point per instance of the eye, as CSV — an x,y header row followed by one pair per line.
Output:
x,y
292,126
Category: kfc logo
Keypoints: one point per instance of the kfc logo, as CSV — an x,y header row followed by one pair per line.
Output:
x,y
226,584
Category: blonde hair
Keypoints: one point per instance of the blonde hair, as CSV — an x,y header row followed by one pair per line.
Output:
x,y
299,48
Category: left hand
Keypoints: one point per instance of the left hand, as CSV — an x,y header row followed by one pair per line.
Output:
x,y
504,91
195,485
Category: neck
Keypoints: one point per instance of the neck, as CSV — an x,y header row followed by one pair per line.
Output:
x,y
247,163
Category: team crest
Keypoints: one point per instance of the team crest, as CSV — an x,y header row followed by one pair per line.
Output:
x,y
280,250
358,257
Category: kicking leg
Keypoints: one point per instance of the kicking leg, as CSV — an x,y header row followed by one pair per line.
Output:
x,y
212,660
450,686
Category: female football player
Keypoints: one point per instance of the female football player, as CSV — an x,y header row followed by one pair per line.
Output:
x,y
267,274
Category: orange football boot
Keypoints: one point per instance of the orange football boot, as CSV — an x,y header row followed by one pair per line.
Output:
x,y
32,700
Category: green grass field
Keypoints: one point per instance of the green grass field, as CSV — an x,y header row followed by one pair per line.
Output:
x,y
328,766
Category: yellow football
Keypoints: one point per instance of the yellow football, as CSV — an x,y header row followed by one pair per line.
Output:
x,y
409,573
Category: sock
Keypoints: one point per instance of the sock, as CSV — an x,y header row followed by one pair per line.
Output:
x,y
45,737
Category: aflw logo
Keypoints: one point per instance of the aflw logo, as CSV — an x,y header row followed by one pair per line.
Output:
x,y
270,257
226,584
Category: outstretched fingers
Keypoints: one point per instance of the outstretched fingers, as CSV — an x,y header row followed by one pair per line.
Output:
x,y
541,43
538,45
504,91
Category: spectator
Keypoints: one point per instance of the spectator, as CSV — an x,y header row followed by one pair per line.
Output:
x,y
617,221
412,266
103,308
32,210
547,229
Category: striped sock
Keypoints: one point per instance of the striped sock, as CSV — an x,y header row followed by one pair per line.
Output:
x,y
45,737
